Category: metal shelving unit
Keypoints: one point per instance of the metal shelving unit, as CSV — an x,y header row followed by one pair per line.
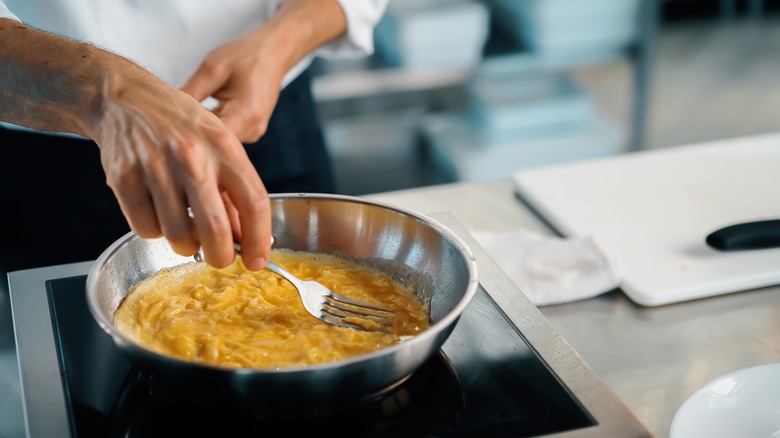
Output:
x,y
371,110
373,79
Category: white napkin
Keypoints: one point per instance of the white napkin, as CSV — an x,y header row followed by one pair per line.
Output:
x,y
552,270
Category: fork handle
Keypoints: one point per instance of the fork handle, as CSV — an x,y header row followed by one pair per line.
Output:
x,y
272,266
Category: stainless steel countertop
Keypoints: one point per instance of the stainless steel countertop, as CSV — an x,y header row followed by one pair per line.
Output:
x,y
652,358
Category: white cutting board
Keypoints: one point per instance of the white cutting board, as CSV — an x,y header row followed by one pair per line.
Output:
x,y
653,209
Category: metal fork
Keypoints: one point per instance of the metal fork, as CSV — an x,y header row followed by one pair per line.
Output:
x,y
333,308
328,306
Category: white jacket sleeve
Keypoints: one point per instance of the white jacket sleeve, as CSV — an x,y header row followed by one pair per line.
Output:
x,y
362,17
5,13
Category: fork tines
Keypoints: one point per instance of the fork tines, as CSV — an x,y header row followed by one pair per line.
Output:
x,y
347,312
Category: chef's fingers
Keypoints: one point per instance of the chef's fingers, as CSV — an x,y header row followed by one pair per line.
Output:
x,y
250,198
206,81
169,203
246,118
212,222
136,203
235,220
139,210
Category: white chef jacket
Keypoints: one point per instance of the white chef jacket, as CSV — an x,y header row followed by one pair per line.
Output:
x,y
171,37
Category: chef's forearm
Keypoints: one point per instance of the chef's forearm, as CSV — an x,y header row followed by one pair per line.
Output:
x,y
52,83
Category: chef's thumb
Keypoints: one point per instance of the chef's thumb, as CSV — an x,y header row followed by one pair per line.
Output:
x,y
203,83
234,117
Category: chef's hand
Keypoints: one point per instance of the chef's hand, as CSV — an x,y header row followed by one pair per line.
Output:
x,y
161,150
162,153
245,75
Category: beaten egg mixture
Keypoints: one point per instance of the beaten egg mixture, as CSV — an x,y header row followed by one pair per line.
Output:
x,y
234,317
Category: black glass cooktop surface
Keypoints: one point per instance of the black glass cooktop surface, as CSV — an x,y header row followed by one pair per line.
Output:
x,y
486,381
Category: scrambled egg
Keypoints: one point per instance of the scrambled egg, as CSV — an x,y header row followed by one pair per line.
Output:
x,y
237,318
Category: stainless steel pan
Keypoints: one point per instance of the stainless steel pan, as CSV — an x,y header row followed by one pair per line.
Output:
x,y
411,247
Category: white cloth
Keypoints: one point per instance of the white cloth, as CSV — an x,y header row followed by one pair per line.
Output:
x,y
552,270
171,37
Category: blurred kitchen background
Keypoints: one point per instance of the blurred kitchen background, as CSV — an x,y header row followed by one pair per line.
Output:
x,y
470,90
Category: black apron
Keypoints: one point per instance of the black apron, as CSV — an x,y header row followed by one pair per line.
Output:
x,y
55,206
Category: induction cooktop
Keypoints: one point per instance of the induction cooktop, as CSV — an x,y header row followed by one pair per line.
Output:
x,y
504,371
